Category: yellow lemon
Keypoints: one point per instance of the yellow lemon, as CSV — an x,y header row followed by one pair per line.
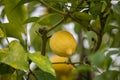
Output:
x,y
61,69
63,43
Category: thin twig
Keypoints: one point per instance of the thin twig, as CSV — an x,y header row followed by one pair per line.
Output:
x,y
54,26
80,22
68,63
47,5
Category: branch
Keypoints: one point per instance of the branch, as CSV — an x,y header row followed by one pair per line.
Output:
x,y
43,32
69,63
47,5
55,25
87,27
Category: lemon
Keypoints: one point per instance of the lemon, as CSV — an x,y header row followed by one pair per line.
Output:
x,y
63,43
61,69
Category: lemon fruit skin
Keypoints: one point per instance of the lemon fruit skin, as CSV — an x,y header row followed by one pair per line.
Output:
x,y
63,43
61,69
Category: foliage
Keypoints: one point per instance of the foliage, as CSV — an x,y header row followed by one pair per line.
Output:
x,y
95,21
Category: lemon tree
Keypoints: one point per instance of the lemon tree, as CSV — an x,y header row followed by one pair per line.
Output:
x,y
36,41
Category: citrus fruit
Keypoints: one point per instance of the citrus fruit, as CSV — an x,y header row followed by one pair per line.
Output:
x,y
61,69
63,43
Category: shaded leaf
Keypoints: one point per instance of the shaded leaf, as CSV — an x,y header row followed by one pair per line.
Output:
x,y
92,38
17,57
106,41
96,24
5,69
98,58
116,9
77,27
108,75
3,53
12,30
41,75
49,19
1,2
116,40
12,76
112,52
95,8
106,63
82,16
83,68
31,19
20,74
21,2
35,38
15,15
2,34
42,62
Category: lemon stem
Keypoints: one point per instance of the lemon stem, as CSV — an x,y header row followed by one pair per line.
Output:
x,y
43,32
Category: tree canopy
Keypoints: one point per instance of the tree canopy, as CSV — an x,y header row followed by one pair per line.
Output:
x,y
24,38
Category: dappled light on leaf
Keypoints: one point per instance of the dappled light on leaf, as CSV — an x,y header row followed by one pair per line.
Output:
x,y
42,62
16,56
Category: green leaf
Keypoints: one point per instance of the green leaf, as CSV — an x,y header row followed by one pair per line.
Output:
x,y
17,57
20,74
83,68
98,58
96,24
42,62
92,38
41,75
108,75
106,63
95,8
104,5
109,28
49,19
1,2
12,30
2,34
82,16
116,40
31,19
116,9
15,15
77,27
12,76
21,2
106,40
112,52
5,69
35,38
3,53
